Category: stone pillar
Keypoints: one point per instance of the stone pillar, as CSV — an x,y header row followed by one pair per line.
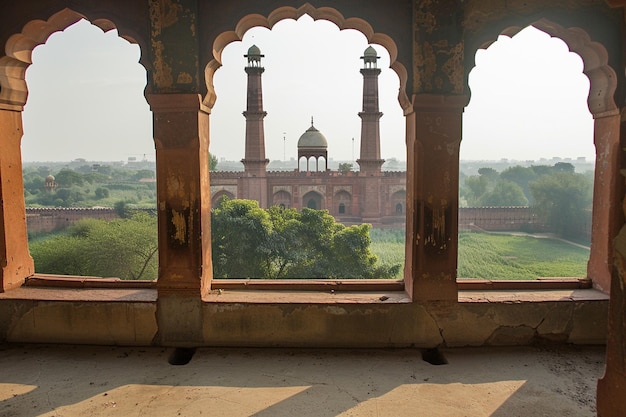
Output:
x,y
181,134
607,216
433,189
611,401
15,261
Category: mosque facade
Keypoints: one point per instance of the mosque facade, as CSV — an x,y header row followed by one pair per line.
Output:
x,y
369,195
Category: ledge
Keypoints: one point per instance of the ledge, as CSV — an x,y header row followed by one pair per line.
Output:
x,y
535,296
132,295
306,297
59,288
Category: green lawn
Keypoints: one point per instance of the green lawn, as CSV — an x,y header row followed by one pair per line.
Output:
x,y
495,256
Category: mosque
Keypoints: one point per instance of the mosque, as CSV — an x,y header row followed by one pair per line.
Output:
x,y
368,195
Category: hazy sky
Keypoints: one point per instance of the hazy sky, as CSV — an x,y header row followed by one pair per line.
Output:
x,y
86,97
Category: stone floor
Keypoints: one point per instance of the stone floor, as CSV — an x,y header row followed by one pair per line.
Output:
x,y
52,380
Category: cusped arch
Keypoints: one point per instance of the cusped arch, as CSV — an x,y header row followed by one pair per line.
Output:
x,y
321,13
19,48
282,198
602,77
219,196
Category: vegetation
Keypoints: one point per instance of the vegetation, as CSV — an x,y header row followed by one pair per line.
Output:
x,y
212,162
345,167
497,256
562,197
121,248
250,242
90,186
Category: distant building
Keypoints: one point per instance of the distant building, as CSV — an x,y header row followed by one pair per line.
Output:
x,y
365,196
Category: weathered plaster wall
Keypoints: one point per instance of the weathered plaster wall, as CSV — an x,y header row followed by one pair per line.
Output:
x,y
131,319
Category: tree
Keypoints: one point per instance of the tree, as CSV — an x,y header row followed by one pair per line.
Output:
x,y
143,173
212,162
521,176
504,194
476,186
65,178
249,242
564,167
240,232
345,167
101,193
488,172
121,248
564,201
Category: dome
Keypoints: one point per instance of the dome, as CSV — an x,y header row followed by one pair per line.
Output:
x,y
370,52
312,138
50,178
254,51
370,56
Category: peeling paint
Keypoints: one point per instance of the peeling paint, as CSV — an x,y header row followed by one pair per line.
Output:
x,y
184,78
180,227
169,12
162,74
453,67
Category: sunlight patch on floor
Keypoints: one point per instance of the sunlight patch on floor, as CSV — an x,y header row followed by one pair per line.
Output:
x,y
167,400
439,400
13,390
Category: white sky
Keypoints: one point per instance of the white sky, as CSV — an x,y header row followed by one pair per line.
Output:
x,y
86,97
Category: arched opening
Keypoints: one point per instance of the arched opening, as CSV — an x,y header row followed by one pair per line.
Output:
x,y
398,202
313,200
343,200
219,196
316,83
282,199
538,159
87,151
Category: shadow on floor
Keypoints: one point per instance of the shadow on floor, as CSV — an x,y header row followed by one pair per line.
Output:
x,y
38,380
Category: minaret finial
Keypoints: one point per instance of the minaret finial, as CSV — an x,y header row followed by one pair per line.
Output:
x,y
311,121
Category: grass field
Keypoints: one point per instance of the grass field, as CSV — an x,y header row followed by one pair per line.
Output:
x,y
495,256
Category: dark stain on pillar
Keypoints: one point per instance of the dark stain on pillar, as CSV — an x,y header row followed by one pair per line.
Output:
x,y
436,228
178,229
438,48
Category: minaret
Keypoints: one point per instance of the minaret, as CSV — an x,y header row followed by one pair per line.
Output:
x,y
254,162
370,161
254,180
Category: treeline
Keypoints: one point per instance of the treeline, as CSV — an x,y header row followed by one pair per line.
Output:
x,y
251,242
88,186
123,248
562,197
247,242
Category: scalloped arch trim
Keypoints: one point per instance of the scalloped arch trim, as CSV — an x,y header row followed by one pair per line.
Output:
x,y
321,13
602,78
19,48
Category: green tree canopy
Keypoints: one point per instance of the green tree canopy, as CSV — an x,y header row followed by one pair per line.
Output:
x,y
475,187
212,162
250,242
564,201
504,194
121,248
65,178
345,167
521,176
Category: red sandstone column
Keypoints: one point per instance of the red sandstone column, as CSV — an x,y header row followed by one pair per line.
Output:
x,y
607,197
611,401
15,261
181,134
432,183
